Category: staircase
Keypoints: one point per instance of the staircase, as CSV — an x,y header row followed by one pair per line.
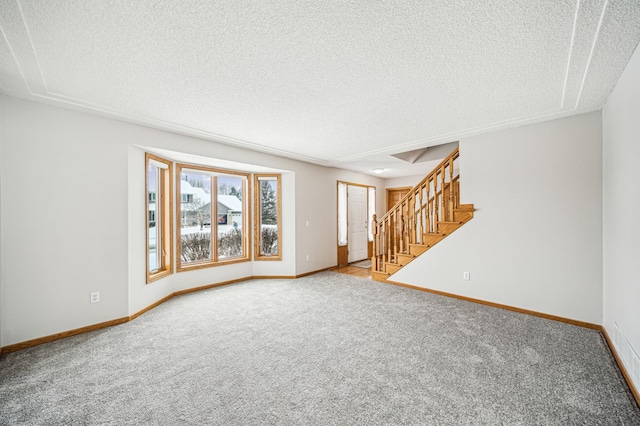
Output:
x,y
420,220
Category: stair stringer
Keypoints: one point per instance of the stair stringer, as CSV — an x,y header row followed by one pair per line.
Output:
x,y
430,242
427,270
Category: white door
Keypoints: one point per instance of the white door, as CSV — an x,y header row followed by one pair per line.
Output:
x,y
357,222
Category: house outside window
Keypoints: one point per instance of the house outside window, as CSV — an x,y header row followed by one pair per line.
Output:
x,y
207,193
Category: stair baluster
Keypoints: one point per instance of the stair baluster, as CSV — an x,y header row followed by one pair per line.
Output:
x,y
436,216
374,232
420,213
451,189
428,208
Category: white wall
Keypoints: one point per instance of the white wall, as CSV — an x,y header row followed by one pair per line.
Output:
x,y
72,188
535,241
621,170
319,206
64,189
401,182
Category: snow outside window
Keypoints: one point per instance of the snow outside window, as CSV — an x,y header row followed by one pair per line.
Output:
x,y
371,199
342,214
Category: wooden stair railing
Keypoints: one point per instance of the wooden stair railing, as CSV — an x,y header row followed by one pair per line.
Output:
x,y
422,218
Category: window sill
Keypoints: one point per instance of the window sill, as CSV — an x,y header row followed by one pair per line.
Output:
x,y
151,277
202,265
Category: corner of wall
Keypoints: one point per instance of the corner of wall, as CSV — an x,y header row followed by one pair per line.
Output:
x,y
2,98
506,245
620,226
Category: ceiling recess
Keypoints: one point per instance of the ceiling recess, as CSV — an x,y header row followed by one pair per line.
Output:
x,y
430,153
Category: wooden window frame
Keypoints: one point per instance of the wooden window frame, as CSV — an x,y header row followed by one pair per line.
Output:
x,y
257,213
163,217
246,214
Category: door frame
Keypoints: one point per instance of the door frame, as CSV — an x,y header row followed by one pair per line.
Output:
x,y
386,194
343,251
357,231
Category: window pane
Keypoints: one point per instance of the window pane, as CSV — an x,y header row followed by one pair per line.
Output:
x,y
153,184
342,214
159,217
372,210
212,221
195,217
230,217
268,217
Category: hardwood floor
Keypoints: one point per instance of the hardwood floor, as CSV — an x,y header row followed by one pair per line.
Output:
x,y
354,270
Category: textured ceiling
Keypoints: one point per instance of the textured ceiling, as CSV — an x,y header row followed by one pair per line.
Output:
x,y
332,82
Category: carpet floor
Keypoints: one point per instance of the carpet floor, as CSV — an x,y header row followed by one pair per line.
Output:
x,y
324,349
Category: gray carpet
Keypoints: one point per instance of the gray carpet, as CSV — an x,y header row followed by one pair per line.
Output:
x,y
324,349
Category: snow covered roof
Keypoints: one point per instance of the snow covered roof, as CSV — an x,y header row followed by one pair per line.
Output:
x,y
231,202
186,188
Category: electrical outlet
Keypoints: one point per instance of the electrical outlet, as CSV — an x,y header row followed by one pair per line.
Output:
x,y
307,258
95,297
466,276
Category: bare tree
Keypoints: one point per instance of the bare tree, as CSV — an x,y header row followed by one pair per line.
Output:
x,y
195,207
